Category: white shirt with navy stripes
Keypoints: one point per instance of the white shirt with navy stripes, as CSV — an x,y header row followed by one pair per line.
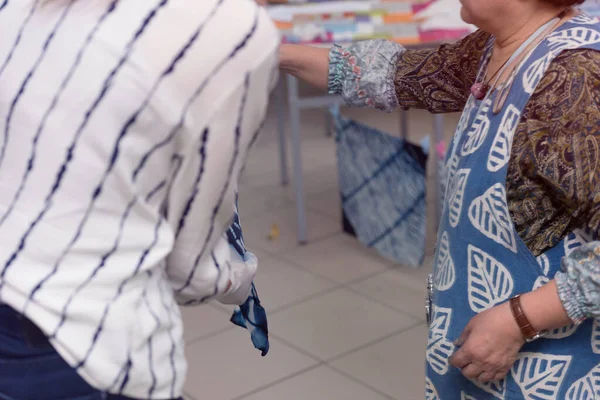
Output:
x,y
123,128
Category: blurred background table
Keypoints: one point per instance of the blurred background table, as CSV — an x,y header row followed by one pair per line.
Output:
x,y
322,23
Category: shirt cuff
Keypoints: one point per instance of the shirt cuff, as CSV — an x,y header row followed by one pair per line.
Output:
x,y
568,293
337,69
364,73
579,283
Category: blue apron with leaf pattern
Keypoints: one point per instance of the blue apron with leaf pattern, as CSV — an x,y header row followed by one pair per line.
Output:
x,y
482,262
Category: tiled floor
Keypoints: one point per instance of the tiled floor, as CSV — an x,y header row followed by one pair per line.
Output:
x,y
345,323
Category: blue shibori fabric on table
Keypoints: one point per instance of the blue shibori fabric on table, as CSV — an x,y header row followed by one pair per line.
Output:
x,y
251,315
383,187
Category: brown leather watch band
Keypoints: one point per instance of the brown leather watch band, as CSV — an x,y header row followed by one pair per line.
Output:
x,y
527,330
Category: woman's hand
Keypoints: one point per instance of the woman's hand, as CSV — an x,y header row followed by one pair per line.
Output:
x,y
489,345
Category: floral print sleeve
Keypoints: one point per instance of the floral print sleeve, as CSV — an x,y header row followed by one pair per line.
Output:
x,y
364,73
579,283
384,75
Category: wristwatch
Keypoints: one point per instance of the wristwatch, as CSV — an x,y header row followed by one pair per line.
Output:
x,y
527,330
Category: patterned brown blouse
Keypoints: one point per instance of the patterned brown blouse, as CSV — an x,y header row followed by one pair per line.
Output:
x,y
553,181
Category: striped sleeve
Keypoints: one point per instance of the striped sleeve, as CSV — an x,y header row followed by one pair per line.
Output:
x,y
202,265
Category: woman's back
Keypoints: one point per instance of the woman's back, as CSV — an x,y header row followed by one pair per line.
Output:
x,y
123,127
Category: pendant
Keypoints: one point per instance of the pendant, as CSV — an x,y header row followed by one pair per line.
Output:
x,y
479,90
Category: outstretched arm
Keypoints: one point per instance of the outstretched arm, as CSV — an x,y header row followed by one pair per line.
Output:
x,y
384,75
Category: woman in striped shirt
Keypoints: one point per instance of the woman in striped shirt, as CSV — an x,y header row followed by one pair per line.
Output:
x,y
123,127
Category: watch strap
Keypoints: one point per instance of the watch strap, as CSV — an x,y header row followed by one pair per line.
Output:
x,y
527,330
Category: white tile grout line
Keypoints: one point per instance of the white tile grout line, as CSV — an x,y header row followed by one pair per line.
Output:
x,y
278,381
328,362
381,303
374,342
336,287
319,362
348,352
188,396
355,380
207,336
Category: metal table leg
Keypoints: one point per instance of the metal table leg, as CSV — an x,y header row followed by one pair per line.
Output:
x,y
297,158
404,124
280,109
438,137
328,124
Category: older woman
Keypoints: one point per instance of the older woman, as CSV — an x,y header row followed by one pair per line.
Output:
x,y
507,321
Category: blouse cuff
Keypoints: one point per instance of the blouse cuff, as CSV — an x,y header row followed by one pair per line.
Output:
x,y
579,283
567,291
364,73
337,69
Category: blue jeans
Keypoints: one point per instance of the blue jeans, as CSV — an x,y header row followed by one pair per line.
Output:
x,y
30,368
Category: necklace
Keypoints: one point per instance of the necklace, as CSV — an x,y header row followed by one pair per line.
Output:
x,y
480,89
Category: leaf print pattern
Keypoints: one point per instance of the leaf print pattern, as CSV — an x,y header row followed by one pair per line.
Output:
x,y
586,388
430,391
496,389
478,131
540,376
490,282
445,273
489,214
596,336
464,396
500,150
584,19
573,38
456,196
575,240
439,348
535,72
544,263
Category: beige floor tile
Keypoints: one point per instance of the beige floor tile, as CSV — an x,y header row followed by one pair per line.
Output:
x,y
340,258
321,383
264,161
227,366
253,201
202,321
336,323
393,288
328,202
396,366
257,229
279,284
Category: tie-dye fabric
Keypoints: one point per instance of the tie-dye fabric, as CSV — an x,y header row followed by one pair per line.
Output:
x,y
251,315
383,186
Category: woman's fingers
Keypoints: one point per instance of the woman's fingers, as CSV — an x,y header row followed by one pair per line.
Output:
x,y
485,377
460,359
471,371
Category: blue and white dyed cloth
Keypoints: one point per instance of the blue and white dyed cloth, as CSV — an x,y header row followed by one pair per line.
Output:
x,y
383,186
250,315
